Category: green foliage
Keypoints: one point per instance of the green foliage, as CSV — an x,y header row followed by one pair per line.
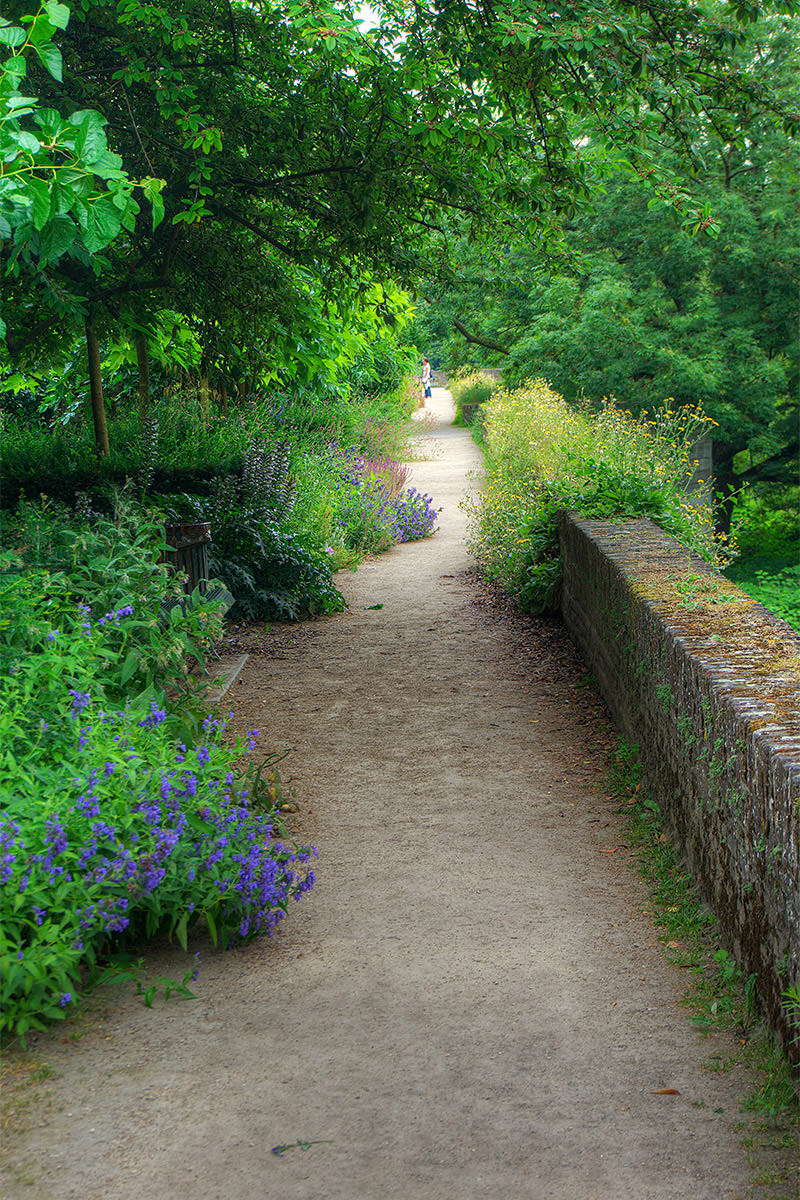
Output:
x,y
309,161
469,392
765,533
241,470
110,828
543,456
271,573
766,521
113,567
634,305
62,190
775,586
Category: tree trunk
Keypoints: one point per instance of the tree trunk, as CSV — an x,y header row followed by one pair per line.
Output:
x,y
726,483
204,395
143,363
96,390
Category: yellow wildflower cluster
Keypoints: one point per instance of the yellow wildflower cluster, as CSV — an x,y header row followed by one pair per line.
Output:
x,y
543,453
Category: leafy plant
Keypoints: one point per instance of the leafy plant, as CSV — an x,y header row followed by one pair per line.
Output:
x,y
271,572
110,828
469,392
150,635
375,511
62,190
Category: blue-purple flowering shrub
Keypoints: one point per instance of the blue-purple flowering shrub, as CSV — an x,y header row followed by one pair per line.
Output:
x,y
375,510
110,829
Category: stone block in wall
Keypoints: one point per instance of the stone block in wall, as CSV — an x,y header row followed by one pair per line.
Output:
x,y
706,683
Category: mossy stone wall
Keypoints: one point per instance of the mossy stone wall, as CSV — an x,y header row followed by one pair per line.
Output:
x,y
707,684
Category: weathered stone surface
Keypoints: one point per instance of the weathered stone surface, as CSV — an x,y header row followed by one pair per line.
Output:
x,y
707,684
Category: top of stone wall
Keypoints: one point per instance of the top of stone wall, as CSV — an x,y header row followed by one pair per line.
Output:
x,y
753,655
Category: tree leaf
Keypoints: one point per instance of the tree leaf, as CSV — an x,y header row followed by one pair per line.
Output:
x,y
12,35
40,197
51,59
91,142
57,237
49,120
17,68
57,13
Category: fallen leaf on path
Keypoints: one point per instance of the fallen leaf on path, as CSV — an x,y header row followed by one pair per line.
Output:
x,y
611,850
666,1092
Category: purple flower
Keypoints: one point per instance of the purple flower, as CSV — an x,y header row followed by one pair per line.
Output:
x,y
157,716
65,999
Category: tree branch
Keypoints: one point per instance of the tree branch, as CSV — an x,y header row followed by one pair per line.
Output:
x,y
475,340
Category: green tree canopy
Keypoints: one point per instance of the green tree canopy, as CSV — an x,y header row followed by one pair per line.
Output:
x,y
301,155
638,308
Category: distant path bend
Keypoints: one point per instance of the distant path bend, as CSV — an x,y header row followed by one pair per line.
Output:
x,y
471,1003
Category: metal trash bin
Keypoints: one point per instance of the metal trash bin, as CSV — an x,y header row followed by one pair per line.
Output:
x,y
188,553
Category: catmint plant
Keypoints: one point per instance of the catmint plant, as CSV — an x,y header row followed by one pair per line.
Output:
x,y
112,829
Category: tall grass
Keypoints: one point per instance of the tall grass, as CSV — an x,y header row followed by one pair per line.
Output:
x,y
543,455
470,392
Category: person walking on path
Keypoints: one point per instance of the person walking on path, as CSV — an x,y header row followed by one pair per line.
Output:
x,y
426,378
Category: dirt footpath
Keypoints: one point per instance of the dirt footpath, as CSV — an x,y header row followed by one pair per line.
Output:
x,y
470,1004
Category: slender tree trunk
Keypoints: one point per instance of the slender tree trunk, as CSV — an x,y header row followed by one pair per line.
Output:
x,y
96,390
143,363
203,395
223,399
726,483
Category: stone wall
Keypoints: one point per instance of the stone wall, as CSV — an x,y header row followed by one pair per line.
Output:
x,y
707,684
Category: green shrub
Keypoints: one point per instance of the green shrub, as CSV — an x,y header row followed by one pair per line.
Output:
x,y
194,462
764,531
271,572
766,521
113,568
469,393
775,583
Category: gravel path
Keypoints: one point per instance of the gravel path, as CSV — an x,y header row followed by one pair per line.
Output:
x,y
470,1004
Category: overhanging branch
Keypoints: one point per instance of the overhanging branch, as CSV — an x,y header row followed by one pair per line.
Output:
x,y
475,340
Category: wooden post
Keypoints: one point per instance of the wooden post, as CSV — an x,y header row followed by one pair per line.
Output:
x,y
96,390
